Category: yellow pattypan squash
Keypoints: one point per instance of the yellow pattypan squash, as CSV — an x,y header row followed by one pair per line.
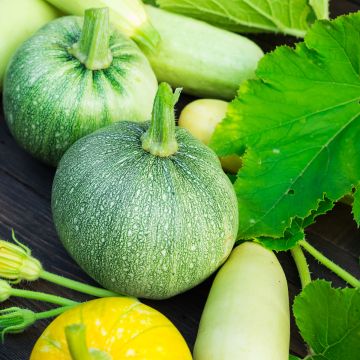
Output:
x,y
112,329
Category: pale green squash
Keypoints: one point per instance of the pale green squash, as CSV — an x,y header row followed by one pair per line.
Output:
x,y
64,83
204,60
19,19
146,210
246,315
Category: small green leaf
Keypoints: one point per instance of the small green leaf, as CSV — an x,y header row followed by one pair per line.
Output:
x,y
329,321
299,123
292,357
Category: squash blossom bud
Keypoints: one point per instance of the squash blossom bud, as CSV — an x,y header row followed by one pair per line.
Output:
x,y
16,262
5,290
15,320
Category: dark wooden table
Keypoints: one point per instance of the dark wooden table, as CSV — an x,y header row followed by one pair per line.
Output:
x,y
25,188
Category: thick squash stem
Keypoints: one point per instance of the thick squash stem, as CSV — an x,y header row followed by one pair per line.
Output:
x,y
76,340
159,139
17,264
15,320
127,16
93,47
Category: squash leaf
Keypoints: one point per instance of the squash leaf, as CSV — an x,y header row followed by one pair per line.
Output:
x,y
299,125
285,16
292,357
329,321
291,237
356,206
296,233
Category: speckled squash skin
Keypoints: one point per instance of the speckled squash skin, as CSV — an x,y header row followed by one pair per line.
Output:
x,y
51,99
123,328
139,224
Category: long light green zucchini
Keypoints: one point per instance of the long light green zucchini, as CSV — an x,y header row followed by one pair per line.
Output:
x,y
246,316
128,16
18,20
204,60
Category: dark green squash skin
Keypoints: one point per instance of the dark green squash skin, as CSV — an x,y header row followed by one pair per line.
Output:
x,y
51,99
139,224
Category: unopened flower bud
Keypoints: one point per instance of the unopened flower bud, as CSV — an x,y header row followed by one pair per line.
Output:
x,y
15,320
16,262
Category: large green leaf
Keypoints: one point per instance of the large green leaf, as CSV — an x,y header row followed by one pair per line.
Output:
x,y
300,125
329,321
286,16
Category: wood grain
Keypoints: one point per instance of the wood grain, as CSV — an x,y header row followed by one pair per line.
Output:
x,y
25,190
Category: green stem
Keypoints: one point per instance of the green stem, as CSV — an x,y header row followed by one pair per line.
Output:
x,y
93,48
76,340
52,313
159,139
40,296
343,274
76,285
302,265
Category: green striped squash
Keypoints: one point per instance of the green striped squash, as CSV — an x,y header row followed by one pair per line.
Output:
x,y
145,208
71,78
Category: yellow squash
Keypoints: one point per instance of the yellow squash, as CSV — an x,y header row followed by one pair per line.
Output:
x,y
201,117
116,328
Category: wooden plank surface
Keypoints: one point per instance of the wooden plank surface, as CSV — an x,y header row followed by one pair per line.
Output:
x,y
25,189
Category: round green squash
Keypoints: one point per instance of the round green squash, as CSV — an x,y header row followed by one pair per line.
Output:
x,y
71,78
145,208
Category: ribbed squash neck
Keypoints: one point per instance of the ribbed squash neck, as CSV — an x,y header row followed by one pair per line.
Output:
x,y
146,37
76,341
93,48
159,139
